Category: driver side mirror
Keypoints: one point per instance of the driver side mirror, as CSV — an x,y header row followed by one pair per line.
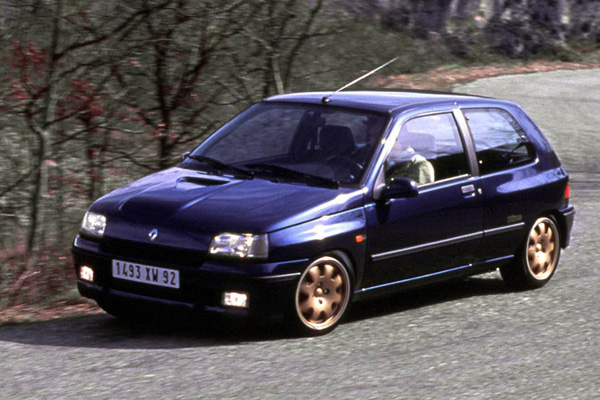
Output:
x,y
400,188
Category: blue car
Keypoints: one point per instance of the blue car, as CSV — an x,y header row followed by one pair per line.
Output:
x,y
304,203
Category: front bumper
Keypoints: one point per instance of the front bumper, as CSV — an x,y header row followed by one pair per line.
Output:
x,y
270,286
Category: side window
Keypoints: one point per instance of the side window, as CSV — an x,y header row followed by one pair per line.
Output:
x,y
428,149
500,142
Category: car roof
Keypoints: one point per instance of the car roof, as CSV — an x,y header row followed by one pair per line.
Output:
x,y
376,100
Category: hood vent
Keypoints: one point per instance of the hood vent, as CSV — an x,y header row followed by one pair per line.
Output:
x,y
203,181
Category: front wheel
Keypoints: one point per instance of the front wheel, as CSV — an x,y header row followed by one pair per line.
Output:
x,y
537,259
322,296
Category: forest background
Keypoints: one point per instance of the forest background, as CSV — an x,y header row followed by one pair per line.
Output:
x,y
96,94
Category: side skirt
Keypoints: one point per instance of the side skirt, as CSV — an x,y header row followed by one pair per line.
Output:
x,y
453,273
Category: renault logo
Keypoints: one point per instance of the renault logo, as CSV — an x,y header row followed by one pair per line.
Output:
x,y
153,235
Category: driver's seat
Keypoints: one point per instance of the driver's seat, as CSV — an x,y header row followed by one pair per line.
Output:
x,y
336,140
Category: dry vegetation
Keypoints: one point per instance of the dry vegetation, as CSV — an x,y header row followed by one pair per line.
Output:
x,y
445,78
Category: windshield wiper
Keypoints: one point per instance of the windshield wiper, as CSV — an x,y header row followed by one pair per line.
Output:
x,y
219,165
293,174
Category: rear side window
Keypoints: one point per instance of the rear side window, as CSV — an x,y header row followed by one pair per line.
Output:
x,y
500,142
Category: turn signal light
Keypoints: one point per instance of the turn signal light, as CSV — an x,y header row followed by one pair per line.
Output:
x,y
567,193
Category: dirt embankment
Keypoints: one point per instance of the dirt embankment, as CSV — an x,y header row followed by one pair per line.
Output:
x,y
445,78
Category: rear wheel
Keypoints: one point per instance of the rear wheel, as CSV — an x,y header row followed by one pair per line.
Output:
x,y
322,296
537,259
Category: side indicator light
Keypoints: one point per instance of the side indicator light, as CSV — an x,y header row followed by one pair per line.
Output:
x,y
567,193
359,238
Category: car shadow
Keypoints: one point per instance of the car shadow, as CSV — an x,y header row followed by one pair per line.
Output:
x,y
484,285
107,332
159,332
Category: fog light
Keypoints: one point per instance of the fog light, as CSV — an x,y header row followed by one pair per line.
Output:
x,y
86,273
235,299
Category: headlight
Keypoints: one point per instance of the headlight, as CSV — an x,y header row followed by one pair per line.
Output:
x,y
241,246
93,224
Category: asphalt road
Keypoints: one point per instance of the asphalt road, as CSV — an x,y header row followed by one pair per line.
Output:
x,y
467,340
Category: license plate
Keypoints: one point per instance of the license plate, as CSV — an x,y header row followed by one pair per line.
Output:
x,y
145,274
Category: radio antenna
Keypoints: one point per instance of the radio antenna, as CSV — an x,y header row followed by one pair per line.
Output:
x,y
325,99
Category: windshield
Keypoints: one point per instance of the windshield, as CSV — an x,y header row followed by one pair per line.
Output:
x,y
296,142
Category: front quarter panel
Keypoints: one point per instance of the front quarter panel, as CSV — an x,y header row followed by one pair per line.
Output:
x,y
345,231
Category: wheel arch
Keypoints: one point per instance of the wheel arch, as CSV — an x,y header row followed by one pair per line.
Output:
x,y
346,258
561,224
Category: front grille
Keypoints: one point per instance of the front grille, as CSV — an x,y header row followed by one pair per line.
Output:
x,y
151,253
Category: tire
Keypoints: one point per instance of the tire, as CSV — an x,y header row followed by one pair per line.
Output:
x,y
537,259
322,296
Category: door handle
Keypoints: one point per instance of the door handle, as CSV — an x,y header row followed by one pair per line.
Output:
x,y
468,189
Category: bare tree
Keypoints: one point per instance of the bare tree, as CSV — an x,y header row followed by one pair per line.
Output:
x,y
172,72
42,69
272,44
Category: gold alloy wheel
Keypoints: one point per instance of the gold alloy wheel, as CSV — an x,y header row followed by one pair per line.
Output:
x,y
542,249
323,293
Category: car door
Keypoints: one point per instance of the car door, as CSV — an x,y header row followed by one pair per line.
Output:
x,y
439,230
512,189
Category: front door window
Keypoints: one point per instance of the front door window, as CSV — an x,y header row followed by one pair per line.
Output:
x,y
428,149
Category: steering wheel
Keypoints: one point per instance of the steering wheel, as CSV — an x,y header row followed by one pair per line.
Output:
x,y
344,167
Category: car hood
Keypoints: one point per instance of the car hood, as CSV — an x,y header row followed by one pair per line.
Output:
x,y
186,203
